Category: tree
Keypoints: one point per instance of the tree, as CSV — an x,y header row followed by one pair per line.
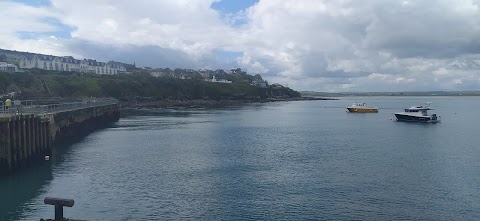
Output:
x,y
3,57
5,81
237,71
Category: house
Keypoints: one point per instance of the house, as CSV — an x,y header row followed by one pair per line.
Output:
x,y
9,68
259,83
27,60
49,62
218,80
13,55
67,63
118,65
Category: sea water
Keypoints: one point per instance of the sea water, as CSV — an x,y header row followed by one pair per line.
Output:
x,y
305,160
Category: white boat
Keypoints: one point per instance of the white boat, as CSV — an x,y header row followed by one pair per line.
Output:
x,y
418,114
361,108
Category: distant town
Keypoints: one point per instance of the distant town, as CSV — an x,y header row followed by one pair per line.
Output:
x,y
26,60
33,76
12,61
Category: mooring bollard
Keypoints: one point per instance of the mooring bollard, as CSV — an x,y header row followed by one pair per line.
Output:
x,y
59,204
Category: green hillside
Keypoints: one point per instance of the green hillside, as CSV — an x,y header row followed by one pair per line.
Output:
x,y
38,83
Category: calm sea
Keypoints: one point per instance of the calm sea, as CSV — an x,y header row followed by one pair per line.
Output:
x,y
278,161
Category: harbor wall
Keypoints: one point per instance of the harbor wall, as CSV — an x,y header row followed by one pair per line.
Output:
x,y
27,138
68,125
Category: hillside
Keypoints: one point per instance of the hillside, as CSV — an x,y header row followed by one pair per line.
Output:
x,y
33,84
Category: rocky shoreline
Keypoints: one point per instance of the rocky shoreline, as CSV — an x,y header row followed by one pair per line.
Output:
x,y
152,103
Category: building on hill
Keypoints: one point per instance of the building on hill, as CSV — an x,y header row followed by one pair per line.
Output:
x,y
122,67
28,60
260,83
218,80
54,63
13,55
9,68
205,73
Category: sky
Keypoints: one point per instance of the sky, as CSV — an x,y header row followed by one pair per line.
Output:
x,y
309,45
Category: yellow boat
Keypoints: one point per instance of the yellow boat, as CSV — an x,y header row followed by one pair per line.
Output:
x,y
361,108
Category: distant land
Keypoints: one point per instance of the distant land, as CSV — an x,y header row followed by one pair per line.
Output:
x,y
411,93
172,88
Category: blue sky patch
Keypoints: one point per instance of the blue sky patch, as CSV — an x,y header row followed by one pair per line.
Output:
x,y
232,6
62,30
232,10
35,3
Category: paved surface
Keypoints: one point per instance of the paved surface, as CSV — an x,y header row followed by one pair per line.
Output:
x,y
28,107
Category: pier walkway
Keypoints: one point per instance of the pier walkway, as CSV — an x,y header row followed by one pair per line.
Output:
x,y
31,106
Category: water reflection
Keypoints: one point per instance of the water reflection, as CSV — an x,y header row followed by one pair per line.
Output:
x,y
17,190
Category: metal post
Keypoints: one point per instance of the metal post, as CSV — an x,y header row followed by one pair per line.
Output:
x,y
58,212
59,204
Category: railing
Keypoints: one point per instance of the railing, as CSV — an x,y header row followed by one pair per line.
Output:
x,y
28,107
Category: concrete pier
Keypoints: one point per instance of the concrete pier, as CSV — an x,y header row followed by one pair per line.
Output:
x,y
25,138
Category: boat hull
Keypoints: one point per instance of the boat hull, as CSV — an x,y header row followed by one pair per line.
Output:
x,y
420,119
362,110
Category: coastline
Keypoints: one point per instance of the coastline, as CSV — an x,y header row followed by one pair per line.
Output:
x,y
152,103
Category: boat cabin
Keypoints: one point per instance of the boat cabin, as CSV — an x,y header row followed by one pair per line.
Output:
x,y
420,109
356,104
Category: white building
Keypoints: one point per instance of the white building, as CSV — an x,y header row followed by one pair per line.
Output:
x,y
6,67
260,83
218,80
68,63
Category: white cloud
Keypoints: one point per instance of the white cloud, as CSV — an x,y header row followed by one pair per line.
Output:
x,y
323,45
251,65
405,41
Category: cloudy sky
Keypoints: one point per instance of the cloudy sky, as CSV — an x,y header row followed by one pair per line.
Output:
x,y
319,45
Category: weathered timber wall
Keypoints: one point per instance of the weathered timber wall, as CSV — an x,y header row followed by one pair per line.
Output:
x,y
27,138
23,138
68,125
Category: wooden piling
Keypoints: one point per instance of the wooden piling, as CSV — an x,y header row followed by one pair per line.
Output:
x,y
45,124
39,136
34,136
24,138
42,137
19,138
8,153
14,143
28,130
47,136
4,144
